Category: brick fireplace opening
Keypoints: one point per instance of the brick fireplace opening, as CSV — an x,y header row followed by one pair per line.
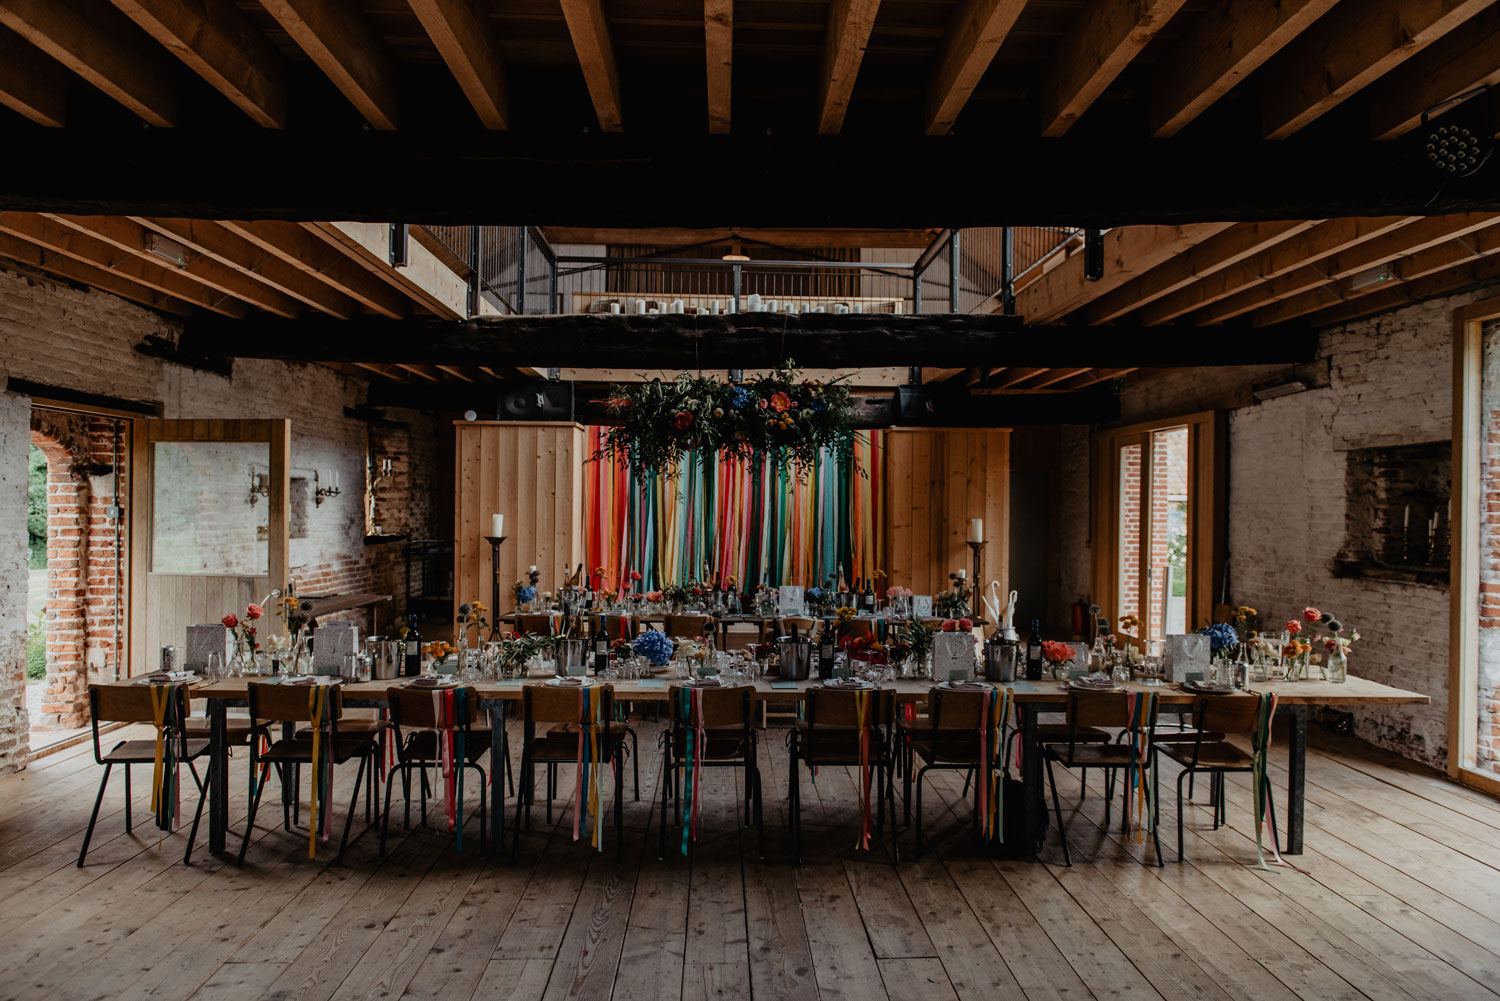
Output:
x,y
1396,513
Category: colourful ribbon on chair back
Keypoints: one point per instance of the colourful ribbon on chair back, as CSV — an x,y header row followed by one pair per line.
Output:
x,y
862,721
994,710
317,705
1139,708
1260,782
591,725
165,789
689,710
450,713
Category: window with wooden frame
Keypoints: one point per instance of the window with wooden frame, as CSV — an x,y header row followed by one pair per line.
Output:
x,y
1158,501
1474,541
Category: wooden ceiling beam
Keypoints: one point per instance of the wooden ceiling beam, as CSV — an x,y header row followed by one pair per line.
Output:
x,y
596,57
974,36
1320,241
910,239
462,33
455,371
32,84
1481,271
1129,252
819,340
1092,377
1462,60
1371,253
1099,44
1432,260
849,26
1214,254
214,241
340,40
1049,377
130,236
1013,377
1224,45
718,51
303,251
74,270
96,253
1345,51
377,267
428,372
101,45
219,43
384,371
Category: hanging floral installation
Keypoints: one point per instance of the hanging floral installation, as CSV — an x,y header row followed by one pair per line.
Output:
x,y
780,417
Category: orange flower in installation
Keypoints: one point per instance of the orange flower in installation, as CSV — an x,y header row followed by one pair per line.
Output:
x,y
683,419
780,402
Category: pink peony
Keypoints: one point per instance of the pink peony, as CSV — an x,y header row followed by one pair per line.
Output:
x,y
254,611
762,404
229,621
1311,614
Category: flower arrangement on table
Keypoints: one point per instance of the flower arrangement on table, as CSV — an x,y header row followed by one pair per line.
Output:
x,y
295,612
819,600
954,602
622,649
438,649
1223,640
655,646
1058,654
766,600
867,648
779,416
843,621
471,614
912,642
524,588
516,650
1300,647
244,631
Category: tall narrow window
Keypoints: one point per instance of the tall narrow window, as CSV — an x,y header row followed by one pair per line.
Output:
x,y
1155,527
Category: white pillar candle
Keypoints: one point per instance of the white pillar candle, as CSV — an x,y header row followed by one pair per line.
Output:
x,y
614,307
497,525
676,306
335,479
976,529
640,306
752,303
962,573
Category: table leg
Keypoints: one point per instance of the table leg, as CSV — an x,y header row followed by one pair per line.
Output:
x,y
1031,776
1296,770
218,775
497,776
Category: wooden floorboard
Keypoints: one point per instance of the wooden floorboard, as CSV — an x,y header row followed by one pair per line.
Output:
x,y
1398,904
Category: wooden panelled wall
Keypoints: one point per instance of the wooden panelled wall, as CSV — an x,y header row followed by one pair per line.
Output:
x,y
532,474
936,480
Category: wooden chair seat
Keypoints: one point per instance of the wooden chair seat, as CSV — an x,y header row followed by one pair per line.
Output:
x,y
722,745
299,749
237,730
952,747
1186,736
1215,754
1048,733
423,744
143,752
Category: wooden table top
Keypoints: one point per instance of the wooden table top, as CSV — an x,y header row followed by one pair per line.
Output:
x,y
1356,691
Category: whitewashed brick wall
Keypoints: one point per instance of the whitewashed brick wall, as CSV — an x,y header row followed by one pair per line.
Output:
x,y
58,335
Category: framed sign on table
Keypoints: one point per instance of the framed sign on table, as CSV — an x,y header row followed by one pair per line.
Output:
x,y
793,600
921,606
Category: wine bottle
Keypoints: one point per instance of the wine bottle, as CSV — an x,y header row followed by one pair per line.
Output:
x,y
413,664
1034,652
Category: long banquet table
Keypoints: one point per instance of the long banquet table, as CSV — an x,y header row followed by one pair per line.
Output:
x,y
1031,697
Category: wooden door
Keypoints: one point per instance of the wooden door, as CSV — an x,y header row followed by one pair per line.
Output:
x,y
209,525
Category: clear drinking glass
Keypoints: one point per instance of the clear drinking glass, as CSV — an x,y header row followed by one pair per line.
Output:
x,y
214,669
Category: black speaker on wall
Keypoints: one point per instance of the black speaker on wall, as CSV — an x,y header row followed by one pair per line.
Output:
x,y
1093,255
535,401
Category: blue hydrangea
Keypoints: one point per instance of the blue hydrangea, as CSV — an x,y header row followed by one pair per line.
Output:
x,y
815,592
819,405
1221,636
738,397
654,646
528,593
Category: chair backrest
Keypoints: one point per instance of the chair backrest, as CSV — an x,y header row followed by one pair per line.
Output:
x,y
838,708
963,710
860,628
688,625
562,703
713,708
1227,714
615,626
281,703
1109,709
534,623
805,624
415,708
132,703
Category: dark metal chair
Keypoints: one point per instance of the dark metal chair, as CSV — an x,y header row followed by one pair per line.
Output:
x,y
419,729
721,723
559,713
1208,751
845,728
963,731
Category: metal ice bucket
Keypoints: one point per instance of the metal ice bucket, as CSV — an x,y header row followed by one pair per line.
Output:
x,y
796,657
386,657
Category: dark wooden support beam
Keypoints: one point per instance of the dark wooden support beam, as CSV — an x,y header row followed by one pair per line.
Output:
x,y
348,177
32,83
871,410
746,341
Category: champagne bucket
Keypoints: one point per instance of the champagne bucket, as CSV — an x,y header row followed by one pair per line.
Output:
x,y
385,658
796,657
1000,660
573,657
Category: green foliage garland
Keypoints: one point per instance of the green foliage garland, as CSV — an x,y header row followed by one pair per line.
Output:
x,y
779,416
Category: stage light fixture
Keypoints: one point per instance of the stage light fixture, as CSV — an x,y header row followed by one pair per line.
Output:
x,y
1459,143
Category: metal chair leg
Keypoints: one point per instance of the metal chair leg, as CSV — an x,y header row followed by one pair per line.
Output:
x,y
127,800
265,770
1062,830
1186,773
187,855
385,816
359,777
88,835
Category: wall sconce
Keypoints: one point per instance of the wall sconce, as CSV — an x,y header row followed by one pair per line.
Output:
x,y
260,485
379,472
322,493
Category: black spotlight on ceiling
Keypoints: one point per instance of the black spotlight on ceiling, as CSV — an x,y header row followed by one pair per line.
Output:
x,y
1459,143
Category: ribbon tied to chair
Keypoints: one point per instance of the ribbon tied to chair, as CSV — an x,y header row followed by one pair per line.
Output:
x,y
1260,782
322,783
994,710
591,734
450,712
1139,707
690,711
165,781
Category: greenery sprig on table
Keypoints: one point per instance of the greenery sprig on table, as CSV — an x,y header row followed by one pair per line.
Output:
x,y
780,416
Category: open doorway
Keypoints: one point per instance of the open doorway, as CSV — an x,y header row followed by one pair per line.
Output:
x,y
75,596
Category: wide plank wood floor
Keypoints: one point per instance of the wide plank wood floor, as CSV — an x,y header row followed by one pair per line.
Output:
x,y
1401,903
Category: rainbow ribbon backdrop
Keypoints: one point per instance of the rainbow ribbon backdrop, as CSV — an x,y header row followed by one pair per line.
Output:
x,y
753,521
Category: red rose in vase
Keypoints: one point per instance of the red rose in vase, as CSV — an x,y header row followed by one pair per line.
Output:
x,y
229,621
